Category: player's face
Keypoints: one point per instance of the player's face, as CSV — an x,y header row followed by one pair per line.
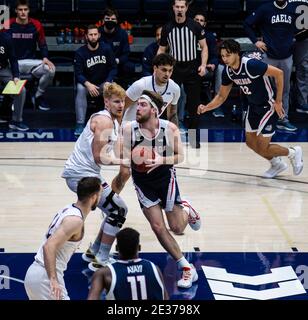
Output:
x,y
158,34
22,12
144,111
230,59
200,19
115,105
163,73
180,8
92,37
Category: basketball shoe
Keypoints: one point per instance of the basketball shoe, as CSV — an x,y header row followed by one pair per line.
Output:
x,y
277,166
189,276
89,255
194,219
97,264
297,160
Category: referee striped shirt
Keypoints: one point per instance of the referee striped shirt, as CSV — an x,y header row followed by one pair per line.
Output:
x,y
182,39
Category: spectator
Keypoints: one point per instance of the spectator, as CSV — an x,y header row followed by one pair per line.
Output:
x,y
117,38
26,34
277,23
182,35
94,65
149,54
9,71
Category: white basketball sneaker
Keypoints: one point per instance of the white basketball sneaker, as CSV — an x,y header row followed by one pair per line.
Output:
x,y
189,276
297,160
278,166
89,255
97,264
194,219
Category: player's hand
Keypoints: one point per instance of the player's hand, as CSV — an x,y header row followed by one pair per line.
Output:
x,y
202,108
261,46
16,80
55,289
201,71
211,66
279,109
93,89
50,65
154,163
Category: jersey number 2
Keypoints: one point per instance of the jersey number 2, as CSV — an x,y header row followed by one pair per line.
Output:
x,y
133,286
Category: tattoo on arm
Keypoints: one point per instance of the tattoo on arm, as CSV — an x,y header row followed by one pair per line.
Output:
x,y
118,184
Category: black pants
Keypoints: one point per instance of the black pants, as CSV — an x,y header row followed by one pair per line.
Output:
x,y
186,73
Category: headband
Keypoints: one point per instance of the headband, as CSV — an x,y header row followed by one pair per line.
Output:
x,y
146,97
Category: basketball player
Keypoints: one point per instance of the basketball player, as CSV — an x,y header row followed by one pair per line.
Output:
x,y
157,188
159,82
95,147
129,278
44,278
252,76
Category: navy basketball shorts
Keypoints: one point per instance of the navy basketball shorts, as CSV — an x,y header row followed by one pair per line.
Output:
x,y
261,119
159,189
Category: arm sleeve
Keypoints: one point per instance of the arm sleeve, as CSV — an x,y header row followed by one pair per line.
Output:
x,y
79,68
254,19
164,35
112,65
13,60
225,80
123,58
256,67
42,41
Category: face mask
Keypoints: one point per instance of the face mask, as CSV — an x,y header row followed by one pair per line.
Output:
x,y
281,3
110,25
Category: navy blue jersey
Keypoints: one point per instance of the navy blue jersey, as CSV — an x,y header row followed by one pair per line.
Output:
x,y
26,38
7,54
277,27
135,280
148,55
212,48
252,81
118,41
96,66
159,143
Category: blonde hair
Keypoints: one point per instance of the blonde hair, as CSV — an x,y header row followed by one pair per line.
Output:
x,y
112,88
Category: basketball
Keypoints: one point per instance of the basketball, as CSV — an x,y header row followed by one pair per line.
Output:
x,y
139,155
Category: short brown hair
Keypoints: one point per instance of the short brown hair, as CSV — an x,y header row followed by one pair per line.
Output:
x,y
92,26
22,3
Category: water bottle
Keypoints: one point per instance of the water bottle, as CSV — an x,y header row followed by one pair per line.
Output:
x,y
69,36
61,37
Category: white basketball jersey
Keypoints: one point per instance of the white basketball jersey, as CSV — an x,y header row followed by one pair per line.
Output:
x,y
81,162
69,247
170,93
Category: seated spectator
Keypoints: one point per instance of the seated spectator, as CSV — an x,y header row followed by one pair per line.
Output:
x,y
94,65
26,34
9,71
117,38
149,54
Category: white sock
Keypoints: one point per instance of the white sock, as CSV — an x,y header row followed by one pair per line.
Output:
x,y
183,263
95,246
291,153
103,252
274,161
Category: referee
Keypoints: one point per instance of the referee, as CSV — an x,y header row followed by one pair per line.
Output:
x,y
182,36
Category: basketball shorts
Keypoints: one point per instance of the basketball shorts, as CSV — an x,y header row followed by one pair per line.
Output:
x,y
37,283
261,119
161,189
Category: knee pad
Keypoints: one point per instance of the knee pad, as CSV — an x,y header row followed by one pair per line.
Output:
x,y
116,210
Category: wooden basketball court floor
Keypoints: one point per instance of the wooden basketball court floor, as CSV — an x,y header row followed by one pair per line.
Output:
x,y
241,212
250,225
